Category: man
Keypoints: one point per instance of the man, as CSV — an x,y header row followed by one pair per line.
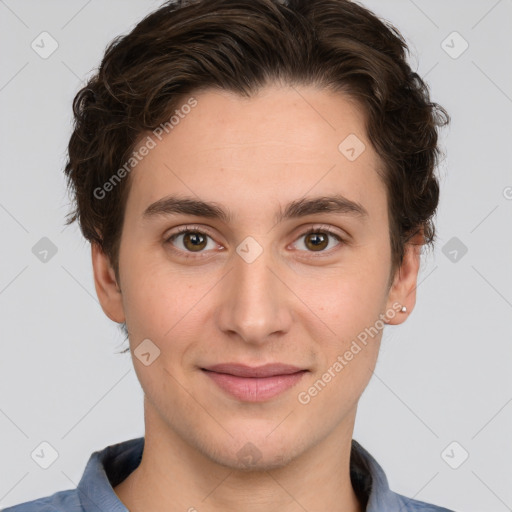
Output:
x,y
256,180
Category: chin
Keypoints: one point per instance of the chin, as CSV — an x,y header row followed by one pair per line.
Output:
x,y
255,452
250,459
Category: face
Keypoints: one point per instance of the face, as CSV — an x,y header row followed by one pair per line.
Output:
x,y
274,278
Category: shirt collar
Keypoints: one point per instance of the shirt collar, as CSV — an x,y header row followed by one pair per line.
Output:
x,y
106,469
370,482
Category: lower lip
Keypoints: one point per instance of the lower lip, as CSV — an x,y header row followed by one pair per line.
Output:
x,y
254,389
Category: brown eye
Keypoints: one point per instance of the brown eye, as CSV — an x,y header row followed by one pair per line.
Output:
x,y
194,241
190,240
316,241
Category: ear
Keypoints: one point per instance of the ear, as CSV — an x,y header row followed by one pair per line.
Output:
x,y
107,289
403,289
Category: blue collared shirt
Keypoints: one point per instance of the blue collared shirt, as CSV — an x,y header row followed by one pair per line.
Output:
x,y
109,467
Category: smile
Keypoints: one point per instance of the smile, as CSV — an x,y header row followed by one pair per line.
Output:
x,y
254,389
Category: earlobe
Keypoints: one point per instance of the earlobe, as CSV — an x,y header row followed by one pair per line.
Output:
x,y
107,289
403,289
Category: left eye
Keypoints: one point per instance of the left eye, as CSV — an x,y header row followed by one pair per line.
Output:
x,y
317,240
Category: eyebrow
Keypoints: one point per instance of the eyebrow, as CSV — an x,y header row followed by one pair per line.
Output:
x,y
175,204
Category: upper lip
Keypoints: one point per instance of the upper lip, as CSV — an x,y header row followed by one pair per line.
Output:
x,y
242,370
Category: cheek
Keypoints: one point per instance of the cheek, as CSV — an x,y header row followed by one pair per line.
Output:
x,y
349,299
165,305
339,383
151,304
348,305
348,351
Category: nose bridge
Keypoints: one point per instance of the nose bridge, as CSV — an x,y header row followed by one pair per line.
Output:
x,y
255,304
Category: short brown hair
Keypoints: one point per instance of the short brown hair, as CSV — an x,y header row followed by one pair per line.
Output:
x,y
241,46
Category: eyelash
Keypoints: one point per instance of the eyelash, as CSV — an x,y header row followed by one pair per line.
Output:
x,y
192,229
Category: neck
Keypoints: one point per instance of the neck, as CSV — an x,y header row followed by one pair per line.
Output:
x,y
175,476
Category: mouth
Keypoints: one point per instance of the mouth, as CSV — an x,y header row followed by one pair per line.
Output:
x,y
254,383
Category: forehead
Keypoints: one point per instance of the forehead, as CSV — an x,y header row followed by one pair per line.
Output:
x,y
274,147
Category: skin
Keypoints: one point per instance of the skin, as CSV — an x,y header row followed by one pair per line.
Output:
x,y
292,304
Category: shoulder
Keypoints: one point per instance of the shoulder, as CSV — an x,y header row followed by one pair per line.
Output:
x,y
412,505
62,501
371,484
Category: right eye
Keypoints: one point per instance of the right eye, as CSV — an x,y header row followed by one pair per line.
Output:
x,y
191,240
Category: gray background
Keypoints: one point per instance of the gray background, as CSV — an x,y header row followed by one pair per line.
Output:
x,y
443,376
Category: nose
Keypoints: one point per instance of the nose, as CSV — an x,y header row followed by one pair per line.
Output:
x,y
255,303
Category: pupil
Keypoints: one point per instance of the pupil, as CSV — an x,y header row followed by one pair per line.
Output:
x,y
317,240
194,238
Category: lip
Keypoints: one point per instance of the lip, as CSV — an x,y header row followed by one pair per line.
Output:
x,y
254,383
266,370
